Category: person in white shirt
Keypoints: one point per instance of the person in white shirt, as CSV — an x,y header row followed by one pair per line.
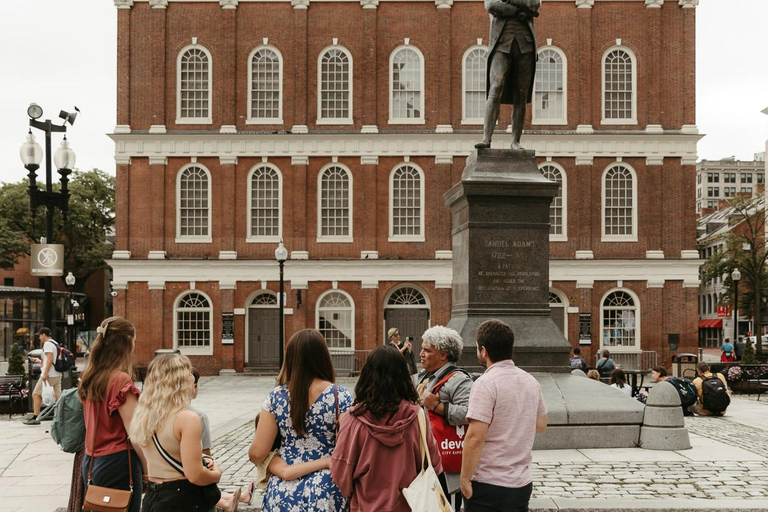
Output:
x,y
619,381
47,373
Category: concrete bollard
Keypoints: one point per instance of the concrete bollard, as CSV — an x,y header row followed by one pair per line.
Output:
x,y
663,423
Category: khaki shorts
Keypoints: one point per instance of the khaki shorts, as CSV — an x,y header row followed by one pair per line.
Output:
x,y
53,381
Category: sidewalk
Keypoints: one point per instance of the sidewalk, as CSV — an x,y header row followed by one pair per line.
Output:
x,y
727,469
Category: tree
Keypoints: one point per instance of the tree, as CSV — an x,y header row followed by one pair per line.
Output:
x,y
16,361
744,249
84,233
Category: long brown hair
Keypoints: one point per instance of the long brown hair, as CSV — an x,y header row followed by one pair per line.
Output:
x,y
112,351
306,358
384,383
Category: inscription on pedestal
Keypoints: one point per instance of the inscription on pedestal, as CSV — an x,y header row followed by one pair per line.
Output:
x,y
509,272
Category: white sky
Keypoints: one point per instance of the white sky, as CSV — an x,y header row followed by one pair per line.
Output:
x,y
62,53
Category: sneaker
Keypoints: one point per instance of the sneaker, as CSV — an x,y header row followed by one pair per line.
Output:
x,y
32,421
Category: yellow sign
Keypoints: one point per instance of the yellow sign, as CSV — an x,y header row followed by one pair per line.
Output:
x,y
47,260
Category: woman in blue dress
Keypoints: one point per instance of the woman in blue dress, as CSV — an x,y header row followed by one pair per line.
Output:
x,y
303,410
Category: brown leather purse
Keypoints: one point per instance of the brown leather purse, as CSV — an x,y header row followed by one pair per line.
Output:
x,y
106,499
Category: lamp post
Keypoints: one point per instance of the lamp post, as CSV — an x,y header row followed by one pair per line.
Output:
x,y
70,280
735,277
281,254
31,155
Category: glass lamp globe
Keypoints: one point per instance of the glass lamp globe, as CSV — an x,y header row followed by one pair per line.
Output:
x,y
64,157
31,153
736,275
281,253
70,279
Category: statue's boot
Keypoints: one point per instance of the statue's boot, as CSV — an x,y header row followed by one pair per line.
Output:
x,y
483,144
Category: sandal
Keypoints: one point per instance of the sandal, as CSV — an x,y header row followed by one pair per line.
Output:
x,y
235,500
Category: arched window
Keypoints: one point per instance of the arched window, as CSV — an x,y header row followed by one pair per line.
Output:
x,y
474,85
193,98
557,309
264,200
619,87
335,205
406,210
550,106
334,99
406,79
407,296
193,203
558,213
264,300
335,320
266,91
619,314
192,323
619,204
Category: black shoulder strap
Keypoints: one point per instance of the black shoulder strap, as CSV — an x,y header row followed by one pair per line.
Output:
x,y
165,455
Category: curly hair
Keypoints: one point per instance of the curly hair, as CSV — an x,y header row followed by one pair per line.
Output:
x,y
383,384
167,390
445,340
112,351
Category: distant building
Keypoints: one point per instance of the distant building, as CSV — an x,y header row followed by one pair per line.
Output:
x,y
715,314
722,179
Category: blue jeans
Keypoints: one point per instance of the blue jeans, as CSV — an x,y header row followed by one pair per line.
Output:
x,y
112,471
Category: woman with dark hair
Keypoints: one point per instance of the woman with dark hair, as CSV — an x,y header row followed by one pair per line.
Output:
x,y
109,399
304,409
619,381
377,453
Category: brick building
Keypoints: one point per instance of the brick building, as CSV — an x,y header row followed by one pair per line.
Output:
x,y
723,179
338,125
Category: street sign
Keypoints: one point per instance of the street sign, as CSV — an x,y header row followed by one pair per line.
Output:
x,y
47,260
585,328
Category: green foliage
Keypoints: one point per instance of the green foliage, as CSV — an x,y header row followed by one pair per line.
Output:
x,y
84,233
16,361
749,353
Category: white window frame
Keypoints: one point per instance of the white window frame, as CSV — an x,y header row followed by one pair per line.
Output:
x,y
464,118
564,300
272,120
334,239
619,238
633,59
336,120
406,238
264,239
187,239
562,237
193,120
636,300
193,351
407,120
352,317
553,121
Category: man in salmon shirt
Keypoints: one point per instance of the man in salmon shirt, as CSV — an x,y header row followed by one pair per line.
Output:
x,y
506,410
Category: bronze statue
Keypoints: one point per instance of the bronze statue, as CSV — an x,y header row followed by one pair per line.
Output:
x,y
511,64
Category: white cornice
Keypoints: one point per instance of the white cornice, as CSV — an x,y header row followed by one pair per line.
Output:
x,y
440,272
670,144
578,3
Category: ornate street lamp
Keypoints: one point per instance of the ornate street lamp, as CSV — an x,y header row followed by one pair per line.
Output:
x,y
70,280
31,155
281,254
735,277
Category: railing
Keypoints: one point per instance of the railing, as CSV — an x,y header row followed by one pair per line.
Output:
x,y
349,362
643,360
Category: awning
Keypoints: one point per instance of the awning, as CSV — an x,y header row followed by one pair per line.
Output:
x,y
714,323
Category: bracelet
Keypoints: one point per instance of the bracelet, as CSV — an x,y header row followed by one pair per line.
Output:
x,y
434,409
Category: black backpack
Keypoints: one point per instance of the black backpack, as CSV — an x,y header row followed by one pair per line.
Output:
x,y
685,389
65,360
715,395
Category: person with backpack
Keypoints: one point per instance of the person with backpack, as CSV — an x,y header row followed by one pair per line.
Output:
x,y
444,390
577,362
49,375
712,391
605,364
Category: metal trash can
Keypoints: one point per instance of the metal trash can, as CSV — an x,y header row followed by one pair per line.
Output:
x,y
684,364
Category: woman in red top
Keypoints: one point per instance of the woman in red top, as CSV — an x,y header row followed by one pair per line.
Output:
x,y
109,398
381,432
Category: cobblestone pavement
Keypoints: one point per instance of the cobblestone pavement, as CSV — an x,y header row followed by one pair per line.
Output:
x,y
595,475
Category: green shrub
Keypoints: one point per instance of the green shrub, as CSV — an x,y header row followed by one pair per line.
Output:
x,y
749,354
16,361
